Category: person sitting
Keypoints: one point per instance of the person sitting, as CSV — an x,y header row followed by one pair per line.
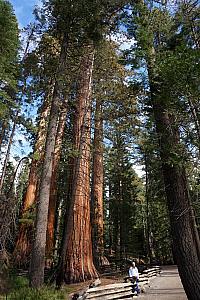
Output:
x,y
134,277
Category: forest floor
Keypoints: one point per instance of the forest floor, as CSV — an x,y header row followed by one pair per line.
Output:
x,y
167,286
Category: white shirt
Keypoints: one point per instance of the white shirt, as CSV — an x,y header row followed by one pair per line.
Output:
x,y
133,272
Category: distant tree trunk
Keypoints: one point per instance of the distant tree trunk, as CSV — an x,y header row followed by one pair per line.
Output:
x,y
149,233
122,217
97,190
39,245
116,219
196,117
111,225
8,152
58,236
21,254
3,131
185,239
53,190
147,205
76,263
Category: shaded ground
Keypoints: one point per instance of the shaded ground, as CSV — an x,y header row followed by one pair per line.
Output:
x,y
167,286
78,287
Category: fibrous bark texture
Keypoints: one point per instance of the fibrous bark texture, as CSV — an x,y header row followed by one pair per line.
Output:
x,y
97,189
77,260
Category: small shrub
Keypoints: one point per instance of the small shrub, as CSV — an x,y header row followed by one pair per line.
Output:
x,y
18,282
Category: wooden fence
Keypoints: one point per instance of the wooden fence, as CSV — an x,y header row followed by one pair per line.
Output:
x,y
119,290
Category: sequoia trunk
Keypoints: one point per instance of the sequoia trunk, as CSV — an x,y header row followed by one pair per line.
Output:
x,y
97,189
77,261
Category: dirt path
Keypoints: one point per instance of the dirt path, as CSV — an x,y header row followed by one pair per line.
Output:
x,y
167,286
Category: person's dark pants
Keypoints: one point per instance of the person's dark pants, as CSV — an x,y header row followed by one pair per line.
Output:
x,y
136,288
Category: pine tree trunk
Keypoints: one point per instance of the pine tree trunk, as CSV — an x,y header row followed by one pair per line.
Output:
x,y
21,254
182,223
147,206
53,190
77,260
185,240
97,190
39,245
149,233
111,223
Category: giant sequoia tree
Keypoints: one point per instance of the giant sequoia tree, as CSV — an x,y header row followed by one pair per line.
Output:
x,y
82,26
77,262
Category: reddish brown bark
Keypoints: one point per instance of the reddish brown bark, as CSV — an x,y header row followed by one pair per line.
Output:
x,y
97,190
53,189
22,250
77,260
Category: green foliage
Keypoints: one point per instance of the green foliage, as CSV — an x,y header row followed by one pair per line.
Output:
x,y
8,179
125,201
8,33
45,293
90,19
18,289
8,50
22,182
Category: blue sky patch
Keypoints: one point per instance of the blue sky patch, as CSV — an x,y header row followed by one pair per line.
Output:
x,y
23,10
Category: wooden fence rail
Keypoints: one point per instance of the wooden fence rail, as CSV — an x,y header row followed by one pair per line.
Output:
x,y
119,290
